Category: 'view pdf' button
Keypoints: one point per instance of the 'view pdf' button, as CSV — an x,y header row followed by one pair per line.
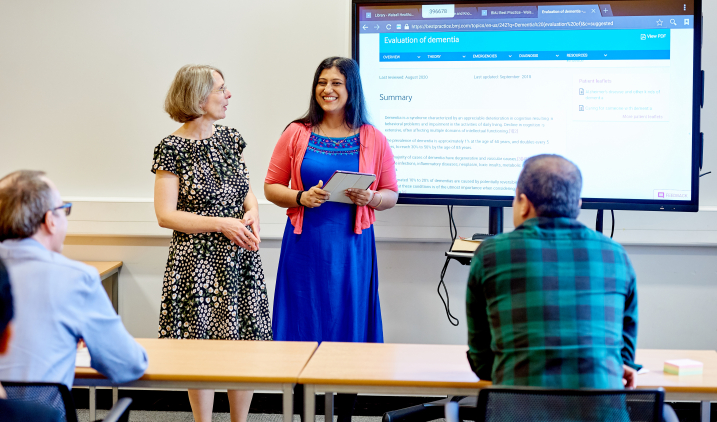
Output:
x,y
672,195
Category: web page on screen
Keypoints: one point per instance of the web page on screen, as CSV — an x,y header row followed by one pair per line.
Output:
x,y
466,93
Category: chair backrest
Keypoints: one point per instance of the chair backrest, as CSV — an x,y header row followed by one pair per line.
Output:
x,y
533,404
120,411
56,396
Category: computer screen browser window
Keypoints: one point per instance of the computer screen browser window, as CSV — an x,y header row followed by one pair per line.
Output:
x,y
466,92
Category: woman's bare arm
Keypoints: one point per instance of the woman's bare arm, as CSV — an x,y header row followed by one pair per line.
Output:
x,y
379,200
251,212
286,198
166,194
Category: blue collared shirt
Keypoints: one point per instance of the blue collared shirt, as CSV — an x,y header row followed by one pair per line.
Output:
x,y
57,302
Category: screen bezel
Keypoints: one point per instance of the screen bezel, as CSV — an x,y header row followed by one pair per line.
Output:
x,y
587,203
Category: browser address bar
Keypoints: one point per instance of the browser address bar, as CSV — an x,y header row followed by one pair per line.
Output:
x,y
512,25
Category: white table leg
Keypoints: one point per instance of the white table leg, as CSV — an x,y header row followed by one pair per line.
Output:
x,y
328,406
705,411
93,403
288,402
115,395
309,403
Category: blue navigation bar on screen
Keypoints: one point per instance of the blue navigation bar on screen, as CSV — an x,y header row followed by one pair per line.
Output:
x,y
617,40
622,44
526,56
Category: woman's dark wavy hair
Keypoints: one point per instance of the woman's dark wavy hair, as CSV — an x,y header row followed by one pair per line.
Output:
x,y
355,114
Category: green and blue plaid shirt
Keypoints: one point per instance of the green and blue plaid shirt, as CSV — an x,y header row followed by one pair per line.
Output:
x,y
551,304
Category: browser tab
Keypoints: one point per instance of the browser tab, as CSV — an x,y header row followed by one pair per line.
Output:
x,y
508,12
467,12
438,11
389,13
589,11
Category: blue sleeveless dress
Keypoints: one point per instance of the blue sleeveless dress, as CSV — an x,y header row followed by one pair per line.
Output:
x,y
327,283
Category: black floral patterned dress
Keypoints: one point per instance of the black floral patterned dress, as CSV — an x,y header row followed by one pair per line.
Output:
x,y
212,288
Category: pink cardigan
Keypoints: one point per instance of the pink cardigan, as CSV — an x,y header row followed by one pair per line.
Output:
x,y
375,157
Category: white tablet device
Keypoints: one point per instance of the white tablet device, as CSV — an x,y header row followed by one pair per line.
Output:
x,y
342,180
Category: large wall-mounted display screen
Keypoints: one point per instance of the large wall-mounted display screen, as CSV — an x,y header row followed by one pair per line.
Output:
x,y
466,91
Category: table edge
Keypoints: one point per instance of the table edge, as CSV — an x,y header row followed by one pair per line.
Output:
x,y
196,378
394,383
115,266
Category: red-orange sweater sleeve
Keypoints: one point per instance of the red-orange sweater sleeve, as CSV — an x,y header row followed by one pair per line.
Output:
x,y
280,163
388,170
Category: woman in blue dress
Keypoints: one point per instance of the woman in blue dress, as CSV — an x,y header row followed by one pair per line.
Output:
x,y
327,282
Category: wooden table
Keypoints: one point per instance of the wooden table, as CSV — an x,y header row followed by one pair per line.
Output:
x,y
444,370
215,364
702,388
386,369
109,274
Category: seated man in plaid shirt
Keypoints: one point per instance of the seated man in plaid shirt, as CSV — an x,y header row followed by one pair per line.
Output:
x,y
553,303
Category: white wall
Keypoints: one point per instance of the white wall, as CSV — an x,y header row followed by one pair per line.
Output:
x,y
83,82
676,289
676,284
81,95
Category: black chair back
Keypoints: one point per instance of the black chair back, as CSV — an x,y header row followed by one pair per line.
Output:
x,y
56,396
533,404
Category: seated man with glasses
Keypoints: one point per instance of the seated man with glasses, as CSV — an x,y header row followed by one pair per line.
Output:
x,y
57,301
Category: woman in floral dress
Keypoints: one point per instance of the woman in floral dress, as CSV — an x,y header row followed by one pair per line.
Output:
x,y
214,283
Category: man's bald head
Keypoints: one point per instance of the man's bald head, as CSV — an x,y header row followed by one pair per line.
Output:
x,y
552,184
